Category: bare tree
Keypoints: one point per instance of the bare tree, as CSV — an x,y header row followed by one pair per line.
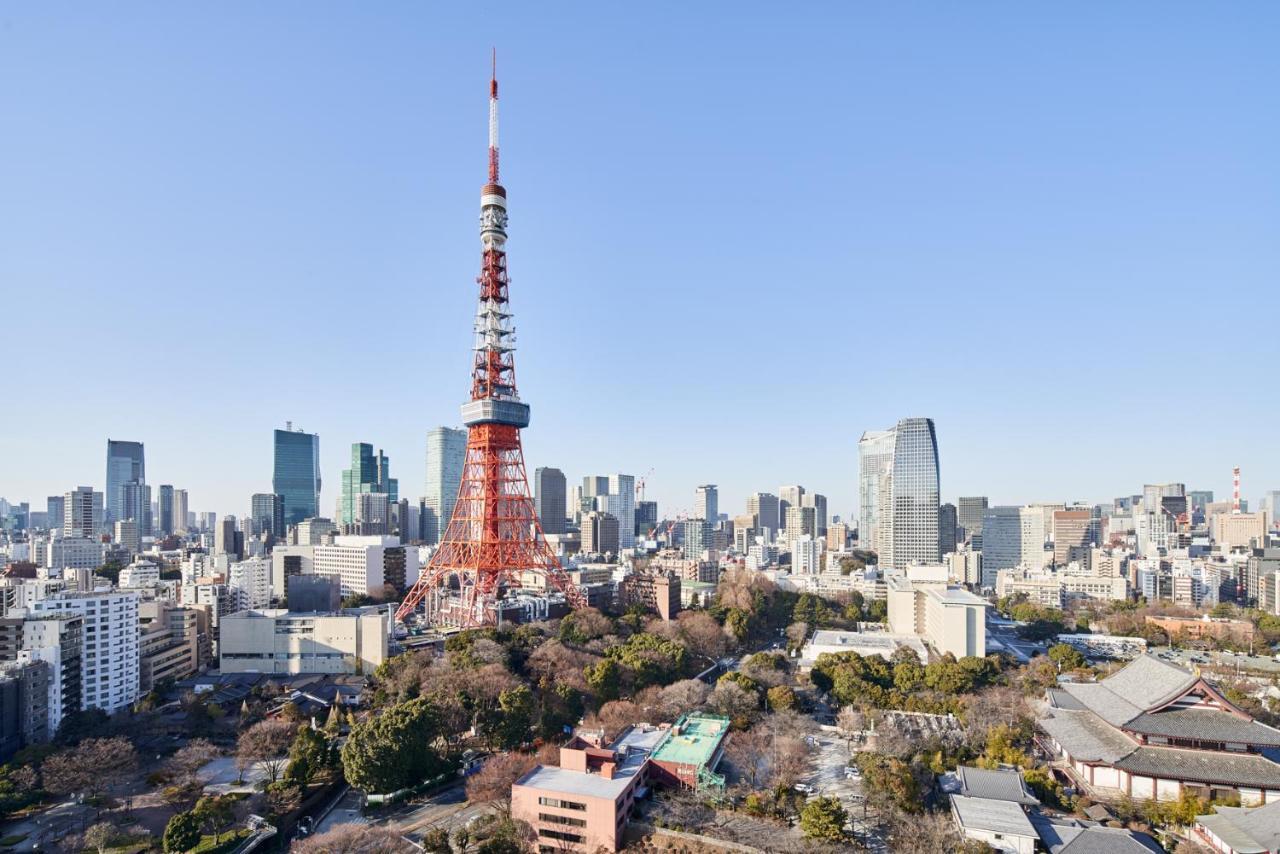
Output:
x,y
733,701
684,696
702,634
851,723
266,744
190,758
797,634
926,833
355,839
93,766
748,752
492,783
614,717
100,836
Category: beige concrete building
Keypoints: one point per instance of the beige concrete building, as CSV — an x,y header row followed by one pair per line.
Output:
x,y
947,618
168,643
279,641
1041,588
1074,534
1240,530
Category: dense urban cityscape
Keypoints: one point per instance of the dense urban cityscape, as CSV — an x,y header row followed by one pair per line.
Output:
x,y
545,660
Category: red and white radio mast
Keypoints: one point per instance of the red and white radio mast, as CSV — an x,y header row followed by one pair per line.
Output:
x,y
494,536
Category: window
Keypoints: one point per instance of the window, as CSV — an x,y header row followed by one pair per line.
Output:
x,y
564,805
562,819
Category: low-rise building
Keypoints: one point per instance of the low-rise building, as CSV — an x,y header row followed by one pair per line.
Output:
x,y
1198,628
169,643
279,641
1240,830
1154,730
656,592
883,644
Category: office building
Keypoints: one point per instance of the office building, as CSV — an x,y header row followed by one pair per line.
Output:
x,y
226,539
279,641
600,533
656,592
706,503
915,498
314,593
369,473
549,499
646,518
697,538
446,453
109,674
801,522
126,535
875,476
267,511
806,554
1001,541
313,532
72,553
140,573
164,523
950,619
1240,530
287,562
365,565
764,507
125,465
296,473
56,511
181,510
969,512
818,504
1075,533
621,502
947,524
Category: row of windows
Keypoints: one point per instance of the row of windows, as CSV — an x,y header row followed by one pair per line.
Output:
x,y
566,837
564,805
562,819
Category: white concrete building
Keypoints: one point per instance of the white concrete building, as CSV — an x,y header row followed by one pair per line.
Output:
x,y
251,582
109,671
948,618
72,553
280,641
140,573
806,555
360,563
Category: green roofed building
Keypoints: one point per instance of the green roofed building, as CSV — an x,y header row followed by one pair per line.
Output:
x,y
690,751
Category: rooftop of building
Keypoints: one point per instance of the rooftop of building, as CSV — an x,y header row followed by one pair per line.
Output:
x,y
1003,817
863,643
1246,830
692,740
999,784
1071,836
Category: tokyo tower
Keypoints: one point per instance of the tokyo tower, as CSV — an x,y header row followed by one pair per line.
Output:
x,y
494,537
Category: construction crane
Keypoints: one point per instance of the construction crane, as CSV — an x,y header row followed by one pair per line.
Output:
x,y
640,482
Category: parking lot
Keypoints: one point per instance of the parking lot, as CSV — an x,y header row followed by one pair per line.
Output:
x,y
828,758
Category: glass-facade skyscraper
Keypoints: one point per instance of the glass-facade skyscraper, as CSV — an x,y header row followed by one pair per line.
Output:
x,y
296,476
549,499
125,465
875,471
915,493
446,452
369,473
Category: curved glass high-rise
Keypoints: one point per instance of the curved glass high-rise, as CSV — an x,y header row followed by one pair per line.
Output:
x,y
915,493
296,478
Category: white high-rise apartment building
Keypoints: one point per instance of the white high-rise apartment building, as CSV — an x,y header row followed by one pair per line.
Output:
x,y
806,555
109,662
875,462
81,512
251,581
446,453
621,502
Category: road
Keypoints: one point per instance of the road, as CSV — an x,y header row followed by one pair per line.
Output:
x,y
448,809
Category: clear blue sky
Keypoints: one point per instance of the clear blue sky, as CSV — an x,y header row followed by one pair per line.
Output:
x,y
741,234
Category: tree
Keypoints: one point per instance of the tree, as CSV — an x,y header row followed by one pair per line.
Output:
x,y
436,841
283,797
492,783
265,744
309,755
395,749
851,723
354,839
333,724
182,833
781,697
100,836
190,758
215,813
797,634
604,680
702,634
824,819
735,702
1066,656
683,696
93,766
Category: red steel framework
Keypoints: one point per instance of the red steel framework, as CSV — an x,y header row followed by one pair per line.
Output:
x,y
494,535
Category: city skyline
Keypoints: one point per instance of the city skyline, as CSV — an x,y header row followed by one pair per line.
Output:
x,y
1108,242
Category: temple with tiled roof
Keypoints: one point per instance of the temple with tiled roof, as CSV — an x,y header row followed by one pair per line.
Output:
x,y
1154,730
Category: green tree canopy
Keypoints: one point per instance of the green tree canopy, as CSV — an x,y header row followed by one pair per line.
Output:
x,y
395,749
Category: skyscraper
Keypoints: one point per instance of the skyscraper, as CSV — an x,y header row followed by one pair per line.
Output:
x,y
446,451
267,511
296,478
125,464
549,499
969,514
915,493
947,528
621,502
56,507
165,523
818,503
369,473
764,507
180,510
875,468
706,503
1001,541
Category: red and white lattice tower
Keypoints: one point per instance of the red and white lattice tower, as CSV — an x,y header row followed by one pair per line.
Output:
x,y
494,536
